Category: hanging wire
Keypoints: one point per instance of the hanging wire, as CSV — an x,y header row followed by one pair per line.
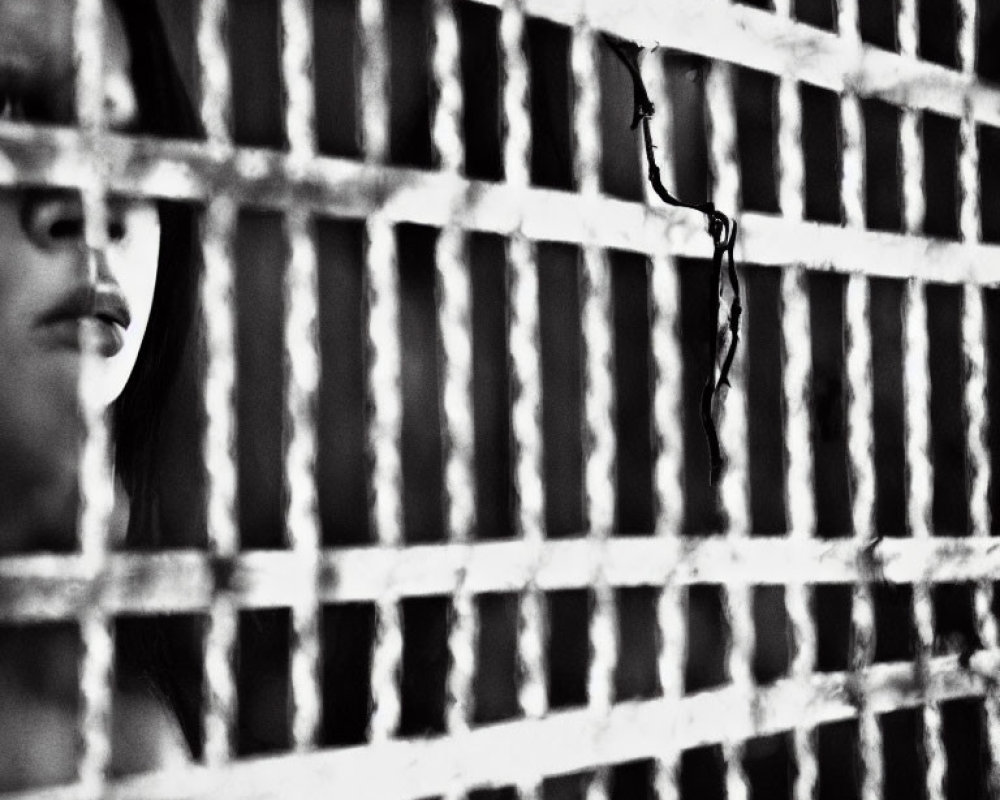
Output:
x,y
721,229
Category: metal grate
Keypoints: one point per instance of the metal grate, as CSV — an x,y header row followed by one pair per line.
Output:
x,y
96,585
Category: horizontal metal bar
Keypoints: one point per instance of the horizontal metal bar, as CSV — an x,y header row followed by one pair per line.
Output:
x,y
338,187
42,587
559,743
769,42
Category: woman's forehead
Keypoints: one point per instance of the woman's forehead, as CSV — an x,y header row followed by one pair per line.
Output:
x,y
36,41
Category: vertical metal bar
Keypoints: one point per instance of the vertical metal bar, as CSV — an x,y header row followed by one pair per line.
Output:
x,y
95,477
218,302
598,401
911,146
297,76
860,437
669,437
456,337
446,132
920,482
303,360
734,484
374,80
455,329
216,88
860,446
800,500
217,297
916,383
385,393
384,381
302,516
525,360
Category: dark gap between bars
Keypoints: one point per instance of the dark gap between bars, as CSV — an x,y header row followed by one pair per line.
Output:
x,y
702,515
895,634
409,35
938,31
989,180
482,117
987,54
181,512
623,167
941,192
425,665
261,253
494,793
765,5
336,59
571,786
702,773
567,649
342,454
955,628
991,302
837,751
255,69
632,780
887,406
829,405
491,386
903,759
633,393
550,89
772,635
347,633
559,323
159,659
818,13
755,98
635,669
883,182
770,766
831,617
496,679
877,22
421,366
963,727
949,456
687,135
708,637
263,682
764,397
822,151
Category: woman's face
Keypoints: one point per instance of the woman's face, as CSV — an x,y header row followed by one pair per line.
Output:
x,y
54,293
51,288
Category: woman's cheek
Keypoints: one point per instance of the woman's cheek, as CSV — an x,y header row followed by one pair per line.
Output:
x,y
133,264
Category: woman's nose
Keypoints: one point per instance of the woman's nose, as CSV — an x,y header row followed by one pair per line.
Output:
x,y
53,220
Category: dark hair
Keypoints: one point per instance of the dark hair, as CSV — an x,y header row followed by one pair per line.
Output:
x,y
165,109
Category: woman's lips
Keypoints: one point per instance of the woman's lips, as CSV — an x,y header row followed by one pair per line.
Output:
x,y
104,336
88,317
